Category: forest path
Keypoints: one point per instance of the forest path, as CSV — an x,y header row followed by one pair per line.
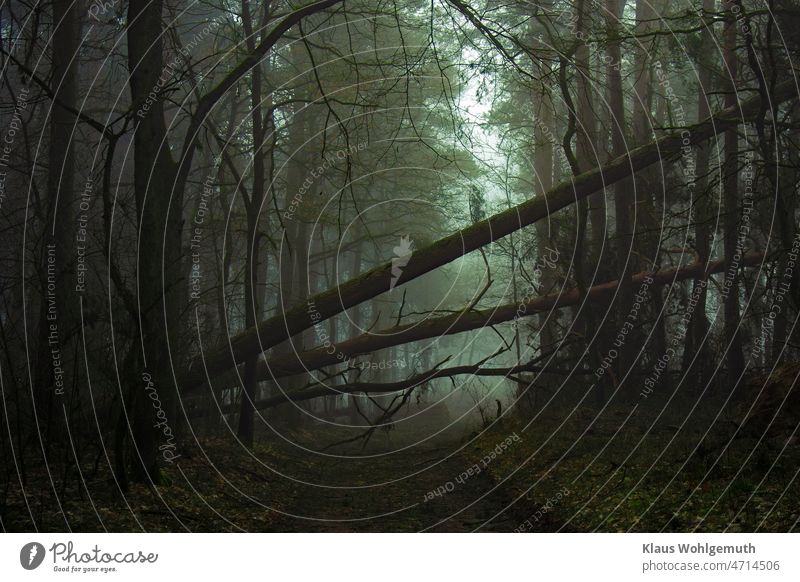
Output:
x,y
393,490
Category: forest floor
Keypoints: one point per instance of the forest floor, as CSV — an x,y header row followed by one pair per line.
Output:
x,y
217,486
627,468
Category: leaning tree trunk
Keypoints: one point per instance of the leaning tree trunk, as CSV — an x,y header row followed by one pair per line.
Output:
x,y
468,321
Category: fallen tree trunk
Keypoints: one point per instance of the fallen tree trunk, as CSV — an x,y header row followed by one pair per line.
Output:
x,y
445,326
298,363
290,364
324,305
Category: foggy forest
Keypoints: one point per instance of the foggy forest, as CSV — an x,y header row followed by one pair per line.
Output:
x,y
399,265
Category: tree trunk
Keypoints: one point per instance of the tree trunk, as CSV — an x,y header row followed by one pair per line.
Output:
x,y
57,320
295,246
735,357
647,241
254,209
587,255
697,337
159,212
543,132
623,199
